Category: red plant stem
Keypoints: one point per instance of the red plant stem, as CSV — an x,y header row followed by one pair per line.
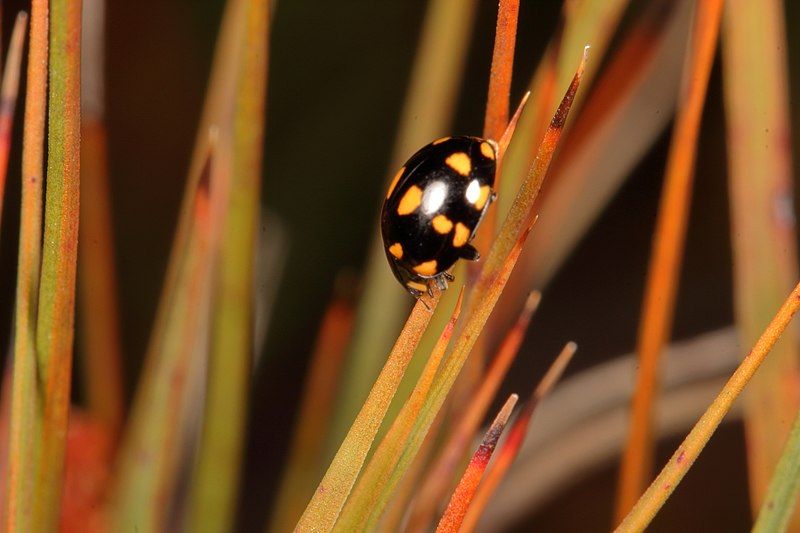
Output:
x,y
8,98
462,496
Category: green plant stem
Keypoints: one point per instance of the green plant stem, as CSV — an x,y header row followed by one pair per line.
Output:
x,y
763,231
216,476
216,113
784,489
332,492
56,313
367,491
153,449
300,475
154,444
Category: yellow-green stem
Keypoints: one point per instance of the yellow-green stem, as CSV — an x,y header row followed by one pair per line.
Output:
x,y
782,495
216,476
662,487
56,313
763,234
332,492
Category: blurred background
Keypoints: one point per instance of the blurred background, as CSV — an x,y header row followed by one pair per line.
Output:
x,y
338,75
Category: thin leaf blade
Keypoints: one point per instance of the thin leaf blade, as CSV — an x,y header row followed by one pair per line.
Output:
x,y
763,234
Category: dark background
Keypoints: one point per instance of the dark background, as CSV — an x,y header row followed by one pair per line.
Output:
x,y
338,75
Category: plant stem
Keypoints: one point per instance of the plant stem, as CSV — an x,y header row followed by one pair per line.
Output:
x,y
216,476
781,498
662,487
56,313
763,232
25,420
665,262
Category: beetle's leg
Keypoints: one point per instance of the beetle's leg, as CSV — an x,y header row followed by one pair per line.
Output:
x,y
420,295
448,276
441,282
469,253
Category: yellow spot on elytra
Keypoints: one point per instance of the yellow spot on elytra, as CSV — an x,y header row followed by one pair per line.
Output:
x,y
396,250
439,141
394,181
417,286
487,150
428,268
483,197
461,236
410,200
442,224
459,162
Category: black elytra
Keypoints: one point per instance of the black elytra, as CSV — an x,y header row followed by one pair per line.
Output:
x,y
433,207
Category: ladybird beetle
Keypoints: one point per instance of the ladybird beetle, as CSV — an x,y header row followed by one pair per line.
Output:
x,y
433,207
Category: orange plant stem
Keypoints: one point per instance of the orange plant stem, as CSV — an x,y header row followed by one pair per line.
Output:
x,y
497,105
24,419
505,39
668,245
98,283
97,279
495,121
